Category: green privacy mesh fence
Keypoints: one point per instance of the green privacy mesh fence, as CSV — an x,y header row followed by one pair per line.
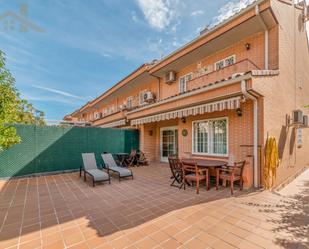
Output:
x,y
46,149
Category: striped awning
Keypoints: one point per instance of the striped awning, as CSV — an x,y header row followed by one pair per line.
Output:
x,y
226,104
114,124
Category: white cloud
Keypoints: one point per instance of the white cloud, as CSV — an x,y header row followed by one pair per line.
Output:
x,y
45,98
63,93
197,13
158,13
230,9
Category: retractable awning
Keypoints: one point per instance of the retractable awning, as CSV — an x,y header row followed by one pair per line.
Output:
x,y
226,104
114,124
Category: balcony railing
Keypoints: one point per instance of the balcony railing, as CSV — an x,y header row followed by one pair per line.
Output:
x,y
239,67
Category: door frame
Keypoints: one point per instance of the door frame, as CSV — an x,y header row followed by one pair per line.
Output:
x,y
168,128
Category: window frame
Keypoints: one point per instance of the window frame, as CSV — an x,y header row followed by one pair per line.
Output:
x,y
129,100
139,97
184,77
210,154
224,64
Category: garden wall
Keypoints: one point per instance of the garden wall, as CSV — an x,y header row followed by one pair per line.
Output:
x,y
49,148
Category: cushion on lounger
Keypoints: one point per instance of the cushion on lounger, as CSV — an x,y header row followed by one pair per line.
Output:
x,y
98,175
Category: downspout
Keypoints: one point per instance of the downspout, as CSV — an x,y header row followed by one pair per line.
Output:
x,y
159,87
266,41
256,169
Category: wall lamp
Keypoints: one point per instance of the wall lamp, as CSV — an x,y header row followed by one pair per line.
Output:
x,y
248,46
239,112
183,119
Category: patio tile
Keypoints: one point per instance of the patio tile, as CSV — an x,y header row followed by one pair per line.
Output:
x,y
121,242
135,236
95,241
220,244
159,236
170,244
31,244
55,245
51,238
145,243
81,245
207,238
187,234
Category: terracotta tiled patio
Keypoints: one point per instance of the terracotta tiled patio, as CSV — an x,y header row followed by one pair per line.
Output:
x,y
62,211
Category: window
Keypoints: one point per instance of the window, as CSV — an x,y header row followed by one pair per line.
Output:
x,y
183,82
210,137
142,98
225,62
129,102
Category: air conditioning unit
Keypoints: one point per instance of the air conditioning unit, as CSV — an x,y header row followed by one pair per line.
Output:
x,y
148,97
170,77
297,117
305,121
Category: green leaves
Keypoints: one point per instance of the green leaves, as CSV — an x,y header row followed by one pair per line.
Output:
x,y
13,109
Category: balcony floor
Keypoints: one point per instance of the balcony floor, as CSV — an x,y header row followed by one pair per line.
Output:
x,y
62,211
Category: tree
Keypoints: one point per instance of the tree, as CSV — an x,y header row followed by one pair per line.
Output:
x,y
13,109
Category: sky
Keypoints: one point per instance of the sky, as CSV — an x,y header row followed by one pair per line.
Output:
x,y
75,49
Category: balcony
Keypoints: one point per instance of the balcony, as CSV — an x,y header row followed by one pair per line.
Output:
x,y
226,72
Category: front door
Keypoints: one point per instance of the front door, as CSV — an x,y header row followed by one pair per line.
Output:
x,y
168,142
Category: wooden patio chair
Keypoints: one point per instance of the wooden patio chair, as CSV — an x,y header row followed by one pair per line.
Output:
x,y
176,170
141,159
192,173
231,173
131,160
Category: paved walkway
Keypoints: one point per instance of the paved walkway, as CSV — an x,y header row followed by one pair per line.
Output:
x,y
62,211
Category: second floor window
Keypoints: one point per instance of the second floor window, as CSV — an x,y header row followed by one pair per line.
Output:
x,y
129,102
183,82
225,62
142,97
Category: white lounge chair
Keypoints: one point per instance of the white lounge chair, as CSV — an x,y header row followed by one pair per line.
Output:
x,y
90,167
111,165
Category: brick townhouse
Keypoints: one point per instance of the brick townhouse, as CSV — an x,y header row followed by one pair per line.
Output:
x,y
222,94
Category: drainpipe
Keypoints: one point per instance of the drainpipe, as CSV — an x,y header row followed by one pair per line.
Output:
x,y
255,132
159,87
266,42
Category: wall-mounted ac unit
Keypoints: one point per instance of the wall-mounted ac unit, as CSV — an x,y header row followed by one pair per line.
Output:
x,y
297,117
170,77
305,121
148,97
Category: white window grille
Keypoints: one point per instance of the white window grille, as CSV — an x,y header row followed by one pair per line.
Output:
x,y
210,137
129,102
225,62
183,82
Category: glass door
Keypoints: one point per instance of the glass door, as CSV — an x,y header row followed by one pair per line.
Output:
x,y
169,142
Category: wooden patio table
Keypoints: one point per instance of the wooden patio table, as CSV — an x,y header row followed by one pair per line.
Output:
x,y
205,163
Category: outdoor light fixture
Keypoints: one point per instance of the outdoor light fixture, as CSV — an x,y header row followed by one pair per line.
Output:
x,y
150,132
183,119
248,46
239,112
